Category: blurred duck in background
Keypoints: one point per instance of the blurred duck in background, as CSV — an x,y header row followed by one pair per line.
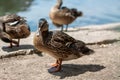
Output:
x,y
13,27
62,15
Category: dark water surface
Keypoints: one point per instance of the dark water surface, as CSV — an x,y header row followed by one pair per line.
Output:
x,y
95,11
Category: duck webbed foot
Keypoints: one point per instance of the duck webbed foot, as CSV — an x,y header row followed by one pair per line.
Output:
x,y
56,67
15,42
55,64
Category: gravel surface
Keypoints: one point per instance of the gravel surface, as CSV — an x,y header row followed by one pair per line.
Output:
x,y
104,64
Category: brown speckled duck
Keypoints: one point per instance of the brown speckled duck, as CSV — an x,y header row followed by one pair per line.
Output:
x,y
59,45
62,15
9,18
10,30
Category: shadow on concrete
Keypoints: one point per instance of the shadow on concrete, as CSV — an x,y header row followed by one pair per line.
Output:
x,y
21,50
69,70
21,47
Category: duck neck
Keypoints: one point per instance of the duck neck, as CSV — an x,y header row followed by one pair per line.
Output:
x,y
58,4
44,35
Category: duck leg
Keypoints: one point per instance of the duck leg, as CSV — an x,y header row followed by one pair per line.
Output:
x,y
56,67
62,28
18,43
15,42
66,27
11,45
55,64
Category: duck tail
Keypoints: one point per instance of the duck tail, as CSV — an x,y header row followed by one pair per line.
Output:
x,y
87,51
79,13
76,13
82,48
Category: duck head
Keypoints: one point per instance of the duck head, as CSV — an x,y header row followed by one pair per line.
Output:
x,y
59,4
43,29
43,25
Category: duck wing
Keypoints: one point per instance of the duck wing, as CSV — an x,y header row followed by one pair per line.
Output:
x,y
18,31
65,44
65,12
9,18
60,40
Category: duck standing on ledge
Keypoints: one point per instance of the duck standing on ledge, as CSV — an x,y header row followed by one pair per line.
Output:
x,y
59,45
62,15
9,29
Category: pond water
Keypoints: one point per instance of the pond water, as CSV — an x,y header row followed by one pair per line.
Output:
x,y
94,11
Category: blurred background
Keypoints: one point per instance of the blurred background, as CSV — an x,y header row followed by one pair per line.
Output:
x,y
95,12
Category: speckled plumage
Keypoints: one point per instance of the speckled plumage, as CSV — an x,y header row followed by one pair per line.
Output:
x,y
10,31
62,15
58,44
9,18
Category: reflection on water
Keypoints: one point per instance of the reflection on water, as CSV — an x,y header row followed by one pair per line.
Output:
x,y
95,11
13,6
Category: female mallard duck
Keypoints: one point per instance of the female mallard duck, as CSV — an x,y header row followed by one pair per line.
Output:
x,y
9,18
62,15
58,44
19,30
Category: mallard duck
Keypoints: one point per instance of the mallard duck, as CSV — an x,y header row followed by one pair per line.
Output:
x,y
9,18
58,44
9,31
62,15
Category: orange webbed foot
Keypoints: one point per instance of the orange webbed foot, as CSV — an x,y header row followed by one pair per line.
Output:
x,y
56,67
